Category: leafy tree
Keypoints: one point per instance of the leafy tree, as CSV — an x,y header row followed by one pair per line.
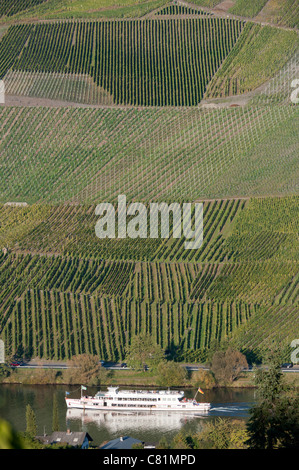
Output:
x,y
171,374
223,434
55,422
31,427
182,441
274,420
143,351
227,365
163,444
5,371
138,445
203,378
85,369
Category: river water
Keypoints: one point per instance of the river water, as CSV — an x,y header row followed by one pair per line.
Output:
x,y
102,425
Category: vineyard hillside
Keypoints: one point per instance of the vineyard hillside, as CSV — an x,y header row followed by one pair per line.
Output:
x,y
66,292
157,101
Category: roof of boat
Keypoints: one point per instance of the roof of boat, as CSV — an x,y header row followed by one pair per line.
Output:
x,y
115,390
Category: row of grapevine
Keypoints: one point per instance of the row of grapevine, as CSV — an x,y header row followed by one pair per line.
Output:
x,y
177,9
150,154
68,231
252,281
11,45
11,7
65,274
77,224
247,9
141,62
248,66
48,49
282,13
57,325
175,69
272,325
264,282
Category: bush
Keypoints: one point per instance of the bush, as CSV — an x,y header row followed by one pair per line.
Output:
x,y
227,366
85,369
171,374
203,378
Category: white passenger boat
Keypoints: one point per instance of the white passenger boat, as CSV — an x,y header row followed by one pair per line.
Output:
x,y
138,400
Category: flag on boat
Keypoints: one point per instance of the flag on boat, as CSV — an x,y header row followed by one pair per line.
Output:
x,y
83,388
67,393
200,391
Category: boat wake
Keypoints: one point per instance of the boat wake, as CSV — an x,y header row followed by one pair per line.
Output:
x,y
227,409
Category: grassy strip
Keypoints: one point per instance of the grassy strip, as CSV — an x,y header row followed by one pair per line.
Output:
x,y
124,378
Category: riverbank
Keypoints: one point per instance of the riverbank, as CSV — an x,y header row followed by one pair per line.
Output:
x,y
126,378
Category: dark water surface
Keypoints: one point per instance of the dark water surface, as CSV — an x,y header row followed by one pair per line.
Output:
x,y
103,425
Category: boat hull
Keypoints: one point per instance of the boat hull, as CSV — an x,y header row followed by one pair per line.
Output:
x,y
89,404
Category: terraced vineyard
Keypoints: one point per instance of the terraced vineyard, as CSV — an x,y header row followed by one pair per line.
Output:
x,y
175,69
248,9
156,123
59,325
76,235
177,9
186,59
283,13
11,45
150,154
60,297
255,59
11,7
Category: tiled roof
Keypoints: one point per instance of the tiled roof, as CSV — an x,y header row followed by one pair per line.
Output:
x,y
70,438
125,442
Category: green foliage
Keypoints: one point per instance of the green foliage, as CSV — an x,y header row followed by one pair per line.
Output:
x,y
55,421
171,374
223,434
31,426
270,381
183,441
163,444
9,439
5,371
218,434
203,379
138,446
274,420
85,369
143,351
